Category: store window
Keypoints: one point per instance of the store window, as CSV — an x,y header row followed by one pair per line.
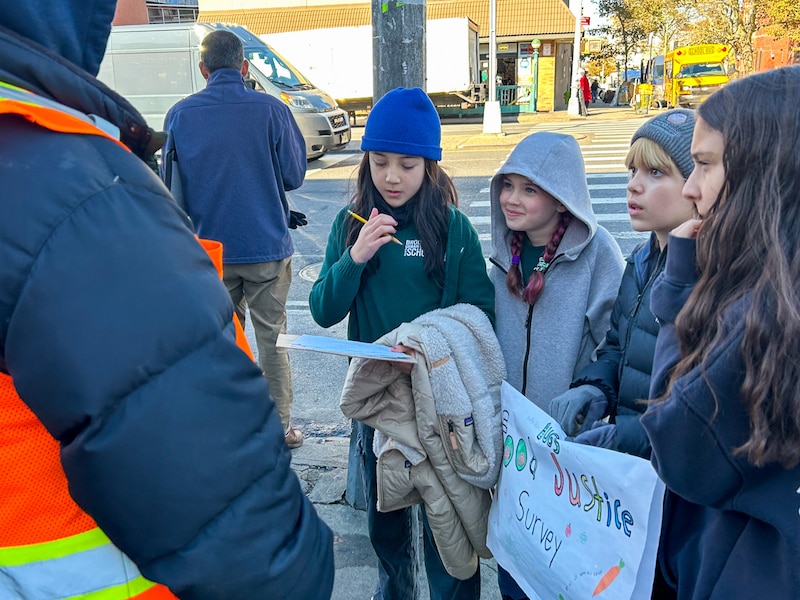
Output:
x,y
163,14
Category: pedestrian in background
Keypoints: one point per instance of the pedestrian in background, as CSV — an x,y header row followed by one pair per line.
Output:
x,y
595,89
584,94
403,193
239,151
139,445
556,272
726,434
607,399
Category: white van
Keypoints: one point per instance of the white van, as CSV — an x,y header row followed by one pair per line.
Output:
x,y
155,66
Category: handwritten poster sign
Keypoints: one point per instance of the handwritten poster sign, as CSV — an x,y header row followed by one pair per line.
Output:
x,y
570,521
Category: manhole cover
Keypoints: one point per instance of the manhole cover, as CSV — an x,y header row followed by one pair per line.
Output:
x,y
311,272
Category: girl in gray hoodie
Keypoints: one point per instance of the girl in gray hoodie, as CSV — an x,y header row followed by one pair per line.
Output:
x,y
556,272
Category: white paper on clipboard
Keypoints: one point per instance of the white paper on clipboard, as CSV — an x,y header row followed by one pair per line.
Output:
x,y
329,345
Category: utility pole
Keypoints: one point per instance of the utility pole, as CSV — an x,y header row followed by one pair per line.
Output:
x,y
398,45
492,120
573,108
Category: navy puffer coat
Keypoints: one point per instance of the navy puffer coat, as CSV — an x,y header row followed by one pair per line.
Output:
x,y
625,358
118,334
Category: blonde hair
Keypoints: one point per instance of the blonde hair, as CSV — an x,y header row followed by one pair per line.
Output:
x,y
645,153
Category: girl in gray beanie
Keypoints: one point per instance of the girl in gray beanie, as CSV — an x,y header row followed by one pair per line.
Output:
x,y
604,404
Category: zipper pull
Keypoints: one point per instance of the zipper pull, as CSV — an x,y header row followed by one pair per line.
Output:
x,y
453,440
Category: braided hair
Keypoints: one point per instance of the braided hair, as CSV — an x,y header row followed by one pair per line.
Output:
x,y
535,284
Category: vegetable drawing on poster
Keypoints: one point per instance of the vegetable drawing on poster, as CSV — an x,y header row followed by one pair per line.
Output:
x,y
570,521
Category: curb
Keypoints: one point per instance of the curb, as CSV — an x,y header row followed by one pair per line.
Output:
x,y
499,140
321,467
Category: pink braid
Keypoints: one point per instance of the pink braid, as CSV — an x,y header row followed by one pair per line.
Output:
x,y
535,285
514,276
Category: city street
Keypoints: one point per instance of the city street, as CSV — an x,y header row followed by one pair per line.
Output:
x,y
471,158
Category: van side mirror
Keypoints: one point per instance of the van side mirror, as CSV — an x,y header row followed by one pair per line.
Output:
x,y
251,83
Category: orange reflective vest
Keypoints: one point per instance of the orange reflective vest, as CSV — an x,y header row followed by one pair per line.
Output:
x,y
49,547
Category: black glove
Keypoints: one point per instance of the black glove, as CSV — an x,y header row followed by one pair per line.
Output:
x,y
296,219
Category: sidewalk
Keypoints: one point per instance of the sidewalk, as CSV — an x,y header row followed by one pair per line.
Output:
x,y
321,466
597,112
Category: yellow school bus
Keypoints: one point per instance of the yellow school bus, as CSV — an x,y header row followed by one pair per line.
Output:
x,y
692,73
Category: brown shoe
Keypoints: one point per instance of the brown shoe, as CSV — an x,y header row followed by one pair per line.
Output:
x,y
294,438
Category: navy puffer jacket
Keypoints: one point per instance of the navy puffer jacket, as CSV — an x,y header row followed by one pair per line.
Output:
x,y
118,334
625,357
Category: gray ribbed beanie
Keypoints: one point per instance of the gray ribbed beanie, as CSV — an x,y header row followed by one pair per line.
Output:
x,y
672,131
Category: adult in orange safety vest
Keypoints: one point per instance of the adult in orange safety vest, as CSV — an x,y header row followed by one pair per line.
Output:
x,y
117,350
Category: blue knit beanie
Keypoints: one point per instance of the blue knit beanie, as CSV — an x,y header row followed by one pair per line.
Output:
x,y
404,121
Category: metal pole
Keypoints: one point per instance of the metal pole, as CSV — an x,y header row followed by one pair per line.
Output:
x,y
398,45
535,45
573,108
532,93
492,122
536,81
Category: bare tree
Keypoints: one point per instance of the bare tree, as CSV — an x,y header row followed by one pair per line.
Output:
x,y
625,30
730,22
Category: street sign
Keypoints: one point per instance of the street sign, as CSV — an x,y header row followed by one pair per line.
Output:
x,y
592,46
585,21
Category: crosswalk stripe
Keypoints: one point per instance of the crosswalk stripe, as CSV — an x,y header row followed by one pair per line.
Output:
x,y
607,186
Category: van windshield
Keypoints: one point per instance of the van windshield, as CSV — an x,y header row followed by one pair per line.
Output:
x,y
276,69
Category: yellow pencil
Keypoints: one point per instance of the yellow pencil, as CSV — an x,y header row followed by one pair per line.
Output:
x,y
363,220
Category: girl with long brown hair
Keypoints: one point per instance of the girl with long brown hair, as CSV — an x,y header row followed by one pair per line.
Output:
x,y
726,435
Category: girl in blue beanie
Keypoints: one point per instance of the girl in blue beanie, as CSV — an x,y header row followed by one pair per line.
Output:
x,y
405,197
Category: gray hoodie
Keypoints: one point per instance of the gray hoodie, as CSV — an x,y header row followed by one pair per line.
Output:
x,y
545,346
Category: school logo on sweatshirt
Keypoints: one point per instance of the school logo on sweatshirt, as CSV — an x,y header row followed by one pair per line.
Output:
x,y
413,248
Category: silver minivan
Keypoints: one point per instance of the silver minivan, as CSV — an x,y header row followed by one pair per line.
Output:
x,y
155,66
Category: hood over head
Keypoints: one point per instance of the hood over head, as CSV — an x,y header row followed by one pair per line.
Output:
x,y
76,30
54,49
552,161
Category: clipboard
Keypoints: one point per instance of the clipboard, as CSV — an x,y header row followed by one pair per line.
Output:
x,y
330,345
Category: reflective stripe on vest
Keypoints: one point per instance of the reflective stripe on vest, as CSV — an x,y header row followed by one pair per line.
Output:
x,y
82,565
86,566
49,114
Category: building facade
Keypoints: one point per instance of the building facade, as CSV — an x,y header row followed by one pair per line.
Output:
x,y
142,12
770,53
518,23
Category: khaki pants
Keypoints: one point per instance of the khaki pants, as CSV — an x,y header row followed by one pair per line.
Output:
x,y
265,288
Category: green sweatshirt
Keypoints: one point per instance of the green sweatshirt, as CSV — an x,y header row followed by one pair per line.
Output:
x,y
399,290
